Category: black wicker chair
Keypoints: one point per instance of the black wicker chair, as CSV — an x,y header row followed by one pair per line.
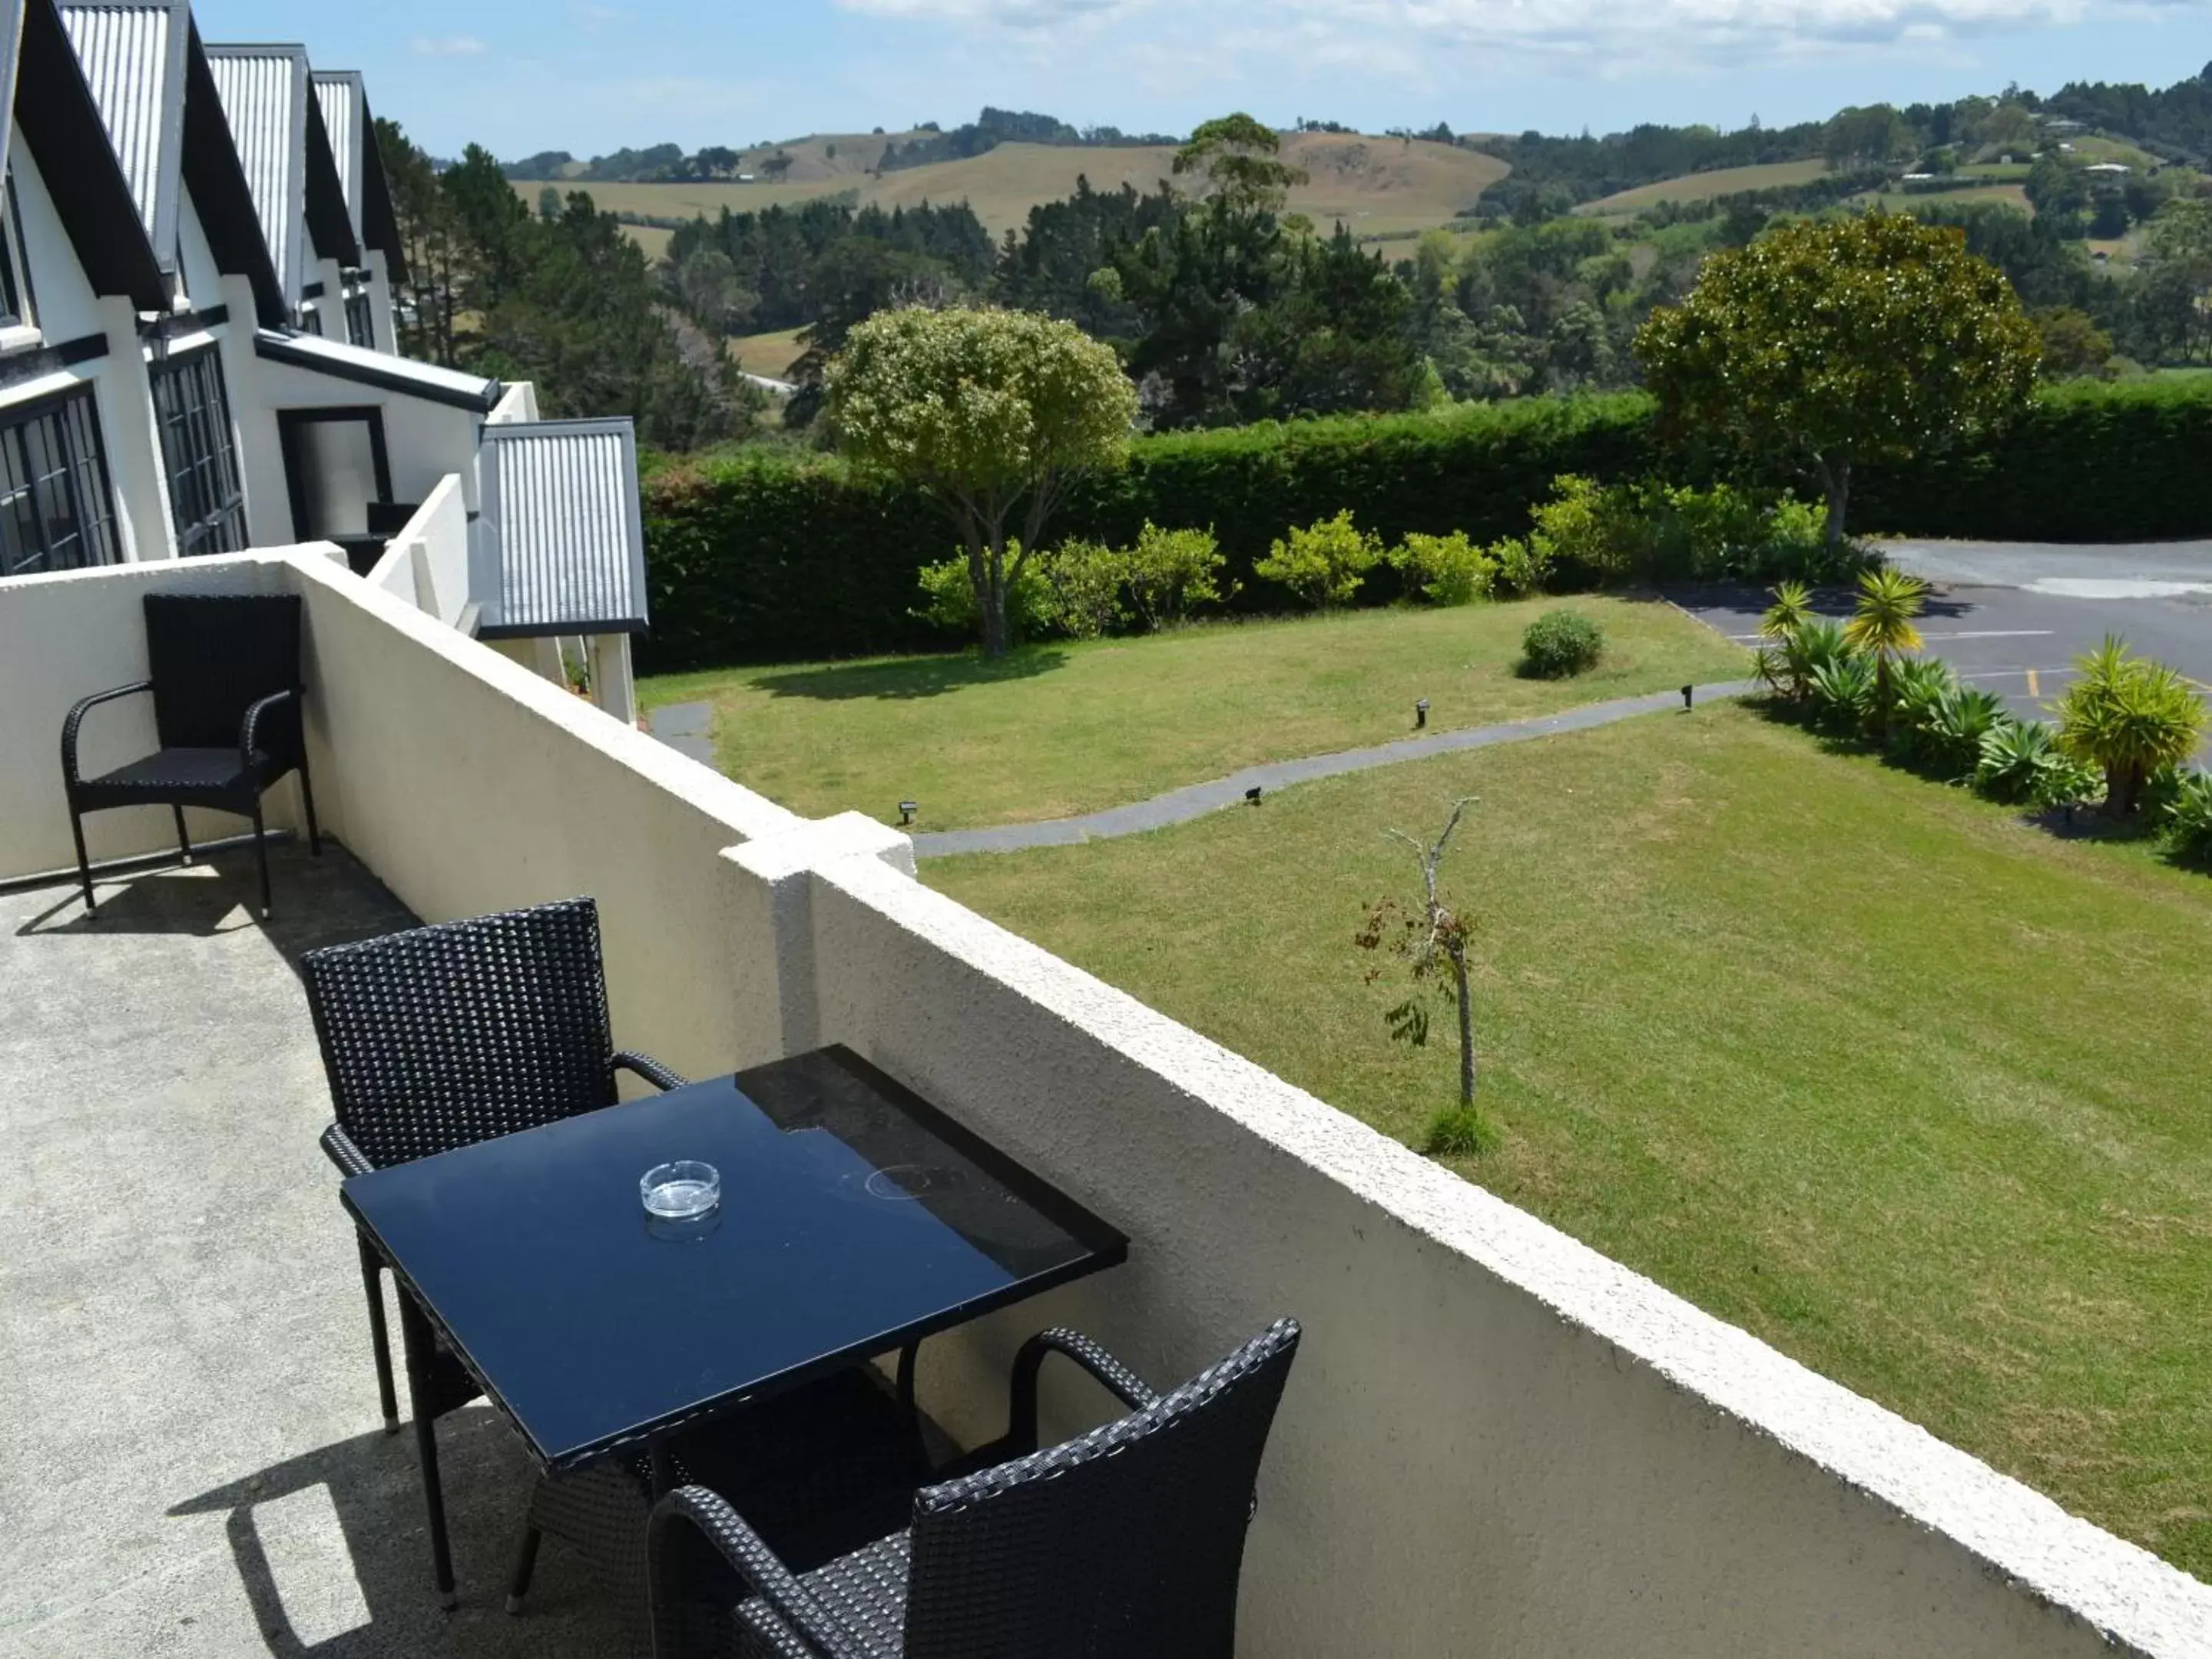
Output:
x,y
224,673
444,1035
1125,1543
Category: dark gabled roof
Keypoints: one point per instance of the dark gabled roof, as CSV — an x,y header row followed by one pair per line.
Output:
x,y
216,180
68,138
329,223
133,56
560,543
379,225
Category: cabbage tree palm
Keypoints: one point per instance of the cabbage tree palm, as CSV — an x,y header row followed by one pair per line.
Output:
x,y
1882,626
1791,610
2128,716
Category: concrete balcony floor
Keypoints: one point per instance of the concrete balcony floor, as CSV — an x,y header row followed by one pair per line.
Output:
x,y
193,1461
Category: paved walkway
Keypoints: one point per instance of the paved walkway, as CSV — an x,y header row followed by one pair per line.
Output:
x,y
1181,806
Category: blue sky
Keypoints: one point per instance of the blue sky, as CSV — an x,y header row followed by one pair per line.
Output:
x,y
589,75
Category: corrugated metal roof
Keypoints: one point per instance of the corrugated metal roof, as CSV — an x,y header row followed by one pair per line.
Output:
x,y
11,51
265,98
133,59
339,93
561,520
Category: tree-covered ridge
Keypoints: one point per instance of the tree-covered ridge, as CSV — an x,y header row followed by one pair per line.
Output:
x,y
2178,118
1004,126
1551,174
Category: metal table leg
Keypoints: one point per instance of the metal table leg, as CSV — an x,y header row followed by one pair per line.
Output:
x,y
421,1350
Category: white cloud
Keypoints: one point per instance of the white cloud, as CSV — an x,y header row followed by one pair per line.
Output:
x,y
451,45
598,17
1417,40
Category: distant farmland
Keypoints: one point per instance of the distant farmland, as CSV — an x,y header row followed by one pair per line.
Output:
x,y
771,354
1375,185
1704,187
1898,201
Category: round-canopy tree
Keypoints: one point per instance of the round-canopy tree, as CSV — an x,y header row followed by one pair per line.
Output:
x,y
1831,343
994,413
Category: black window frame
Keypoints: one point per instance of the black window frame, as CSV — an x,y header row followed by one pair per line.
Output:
x,y
18,305
200,467
290,425
360,317
52,449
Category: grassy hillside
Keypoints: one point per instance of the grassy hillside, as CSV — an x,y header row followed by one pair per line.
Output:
x,y
1904,202
1374,185
771,354
1703,187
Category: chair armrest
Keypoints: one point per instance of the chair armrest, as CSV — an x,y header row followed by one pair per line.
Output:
x,y
338,1146
650,1069
250,728
1124,1384
76,713
691,1516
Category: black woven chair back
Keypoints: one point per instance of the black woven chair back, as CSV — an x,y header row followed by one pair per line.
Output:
x,y
444,1035
211,656
1127,1540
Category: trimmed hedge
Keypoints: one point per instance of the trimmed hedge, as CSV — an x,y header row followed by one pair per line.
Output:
x,y
768,556
2130,461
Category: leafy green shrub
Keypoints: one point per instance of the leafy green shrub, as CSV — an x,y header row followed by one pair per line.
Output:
x,y
1169,571
2022,764
1843,693
1595,531
1952,737
1651,529
950,599
1522,568
1462,1131
2189,819
1084,582
1560,643
1918,688
1445,569
1325,562
2128,716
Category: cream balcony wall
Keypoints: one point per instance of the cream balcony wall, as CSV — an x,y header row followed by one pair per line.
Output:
x,y
1495,1441
427,564
64,636
469,785
517,403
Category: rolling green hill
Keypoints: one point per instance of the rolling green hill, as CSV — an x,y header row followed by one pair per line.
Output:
x,y
1376,185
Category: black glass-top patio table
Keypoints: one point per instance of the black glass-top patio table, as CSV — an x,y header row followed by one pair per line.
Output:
x,y
855,1219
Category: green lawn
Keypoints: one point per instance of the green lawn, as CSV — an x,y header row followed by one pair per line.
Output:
x,y
1061,729
1910,1089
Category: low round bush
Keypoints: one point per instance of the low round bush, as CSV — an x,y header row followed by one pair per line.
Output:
x,y
1560,643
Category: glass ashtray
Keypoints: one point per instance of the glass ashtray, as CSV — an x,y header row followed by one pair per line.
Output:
x,y
679,1190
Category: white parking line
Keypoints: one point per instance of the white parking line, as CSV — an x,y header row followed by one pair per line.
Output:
x,y
1997,633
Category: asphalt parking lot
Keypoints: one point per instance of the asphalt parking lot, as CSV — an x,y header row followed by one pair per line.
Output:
x,y
2012,617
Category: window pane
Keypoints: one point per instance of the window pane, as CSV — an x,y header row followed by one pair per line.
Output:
x,y
55,509
206,501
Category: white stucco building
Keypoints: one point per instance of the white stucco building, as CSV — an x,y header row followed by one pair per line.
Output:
x,y
198,355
